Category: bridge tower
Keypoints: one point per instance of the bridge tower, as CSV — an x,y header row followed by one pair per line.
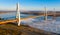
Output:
x,y
54,13
18,14
45,13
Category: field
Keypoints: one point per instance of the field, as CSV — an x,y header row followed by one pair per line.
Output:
x,y
13,29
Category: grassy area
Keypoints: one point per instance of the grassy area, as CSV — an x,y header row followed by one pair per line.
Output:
x,y
13,29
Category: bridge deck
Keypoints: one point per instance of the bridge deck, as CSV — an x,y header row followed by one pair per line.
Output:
x,y
7,21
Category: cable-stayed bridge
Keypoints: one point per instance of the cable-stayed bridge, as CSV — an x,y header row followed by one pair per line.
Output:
x,y
18,19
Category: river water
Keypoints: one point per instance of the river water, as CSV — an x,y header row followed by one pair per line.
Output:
x,y
8,16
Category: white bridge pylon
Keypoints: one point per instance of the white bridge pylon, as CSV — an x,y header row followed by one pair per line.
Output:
x,y
18,14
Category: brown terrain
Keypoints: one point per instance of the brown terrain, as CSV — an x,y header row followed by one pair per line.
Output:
x,y
13,29
50,13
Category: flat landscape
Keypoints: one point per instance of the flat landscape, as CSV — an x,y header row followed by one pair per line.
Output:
x,y
13,29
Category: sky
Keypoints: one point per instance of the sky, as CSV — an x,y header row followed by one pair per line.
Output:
x,y
30,4
8,4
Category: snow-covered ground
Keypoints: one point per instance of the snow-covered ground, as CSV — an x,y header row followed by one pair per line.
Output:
x,y
49,25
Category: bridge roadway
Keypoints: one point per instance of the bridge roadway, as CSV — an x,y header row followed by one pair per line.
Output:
x,y
7,21
16,20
